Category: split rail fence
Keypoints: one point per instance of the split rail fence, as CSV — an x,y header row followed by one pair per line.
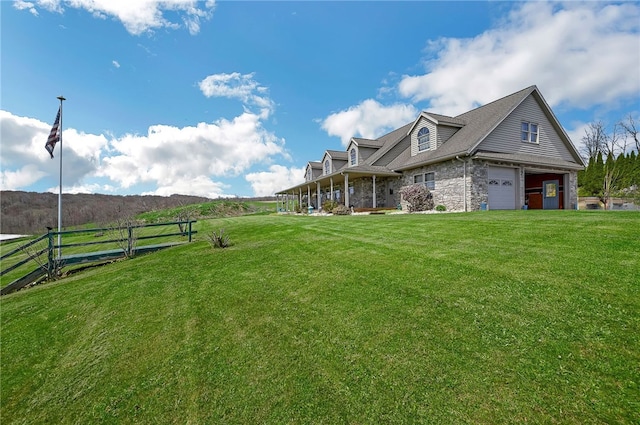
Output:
x,y
42,258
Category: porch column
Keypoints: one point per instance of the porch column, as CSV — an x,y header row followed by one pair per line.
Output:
x,y
319,204
308,196
300,199
346,190
331,179
374,192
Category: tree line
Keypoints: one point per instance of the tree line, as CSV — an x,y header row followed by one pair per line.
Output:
x,y
31,212
613,161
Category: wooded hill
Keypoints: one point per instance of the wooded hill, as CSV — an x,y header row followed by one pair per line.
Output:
x,y
31,213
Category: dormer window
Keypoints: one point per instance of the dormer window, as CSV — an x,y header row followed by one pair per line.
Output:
x,y
309,174
353,156
327,167
424,142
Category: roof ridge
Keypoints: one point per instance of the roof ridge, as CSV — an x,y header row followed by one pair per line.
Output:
x,y
529,90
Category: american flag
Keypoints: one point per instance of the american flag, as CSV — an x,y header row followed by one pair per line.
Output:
x,y
54,136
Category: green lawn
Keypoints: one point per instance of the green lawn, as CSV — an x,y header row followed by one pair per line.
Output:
x,y
490,317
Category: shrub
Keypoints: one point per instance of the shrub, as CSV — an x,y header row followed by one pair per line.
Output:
x,y
341,210
441,208
418,197
329,205
218,239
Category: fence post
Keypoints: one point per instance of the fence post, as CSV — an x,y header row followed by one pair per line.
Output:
x,y
190,222
50,260
130,241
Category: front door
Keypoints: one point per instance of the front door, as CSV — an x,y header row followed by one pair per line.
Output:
x,y
389,198
550,195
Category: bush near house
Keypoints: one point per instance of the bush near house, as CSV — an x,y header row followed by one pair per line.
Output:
x,y
329,205
341,210
418,197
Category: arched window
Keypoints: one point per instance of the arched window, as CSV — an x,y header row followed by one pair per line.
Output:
x,y
327,167
352,153
423,139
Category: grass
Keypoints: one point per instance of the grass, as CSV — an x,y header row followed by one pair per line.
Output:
x,y
492,317
213,209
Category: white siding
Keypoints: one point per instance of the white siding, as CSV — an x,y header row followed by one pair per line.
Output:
x,y
506,137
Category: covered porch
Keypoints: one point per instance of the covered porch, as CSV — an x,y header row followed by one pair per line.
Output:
x,y
352,187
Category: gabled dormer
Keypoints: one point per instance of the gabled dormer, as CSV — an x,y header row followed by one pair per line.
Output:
x,y
430,131
361,149
333,161
313,171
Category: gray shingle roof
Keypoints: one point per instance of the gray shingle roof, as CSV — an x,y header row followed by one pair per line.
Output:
x,y
528,159
338,154
389,140
444,119
368,143
479,123
475,126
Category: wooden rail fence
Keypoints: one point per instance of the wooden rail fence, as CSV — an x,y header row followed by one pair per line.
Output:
x,y
27,260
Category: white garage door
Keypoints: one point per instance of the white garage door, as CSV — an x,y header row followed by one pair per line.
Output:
x,y
502,188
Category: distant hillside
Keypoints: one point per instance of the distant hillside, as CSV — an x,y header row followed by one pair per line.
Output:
x,y
30,212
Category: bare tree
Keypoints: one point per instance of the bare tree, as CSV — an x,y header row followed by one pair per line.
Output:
x,y
630,127
123,231
614,142
184,215
41,252
610,184
594,139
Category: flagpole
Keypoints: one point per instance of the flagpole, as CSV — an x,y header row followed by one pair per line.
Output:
x,y
61,98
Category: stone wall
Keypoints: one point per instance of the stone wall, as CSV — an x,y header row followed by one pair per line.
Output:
x,y
449,184
362,196
478,171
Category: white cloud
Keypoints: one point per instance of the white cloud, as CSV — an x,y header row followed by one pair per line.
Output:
x,y
23,177
169,154
238,86
267,183
26,5
369,120
137,16
198,186
171,159
116,64
579,54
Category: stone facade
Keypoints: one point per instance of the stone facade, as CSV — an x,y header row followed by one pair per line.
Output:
x,y
449,184
387,195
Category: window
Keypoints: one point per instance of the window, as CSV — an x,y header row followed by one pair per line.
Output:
x,y
353,156
429,180
308,173
529,132
423,139
327,167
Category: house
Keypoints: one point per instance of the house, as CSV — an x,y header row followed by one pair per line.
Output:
x,y
506,154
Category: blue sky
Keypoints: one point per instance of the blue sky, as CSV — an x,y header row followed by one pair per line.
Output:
x,y
234,98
